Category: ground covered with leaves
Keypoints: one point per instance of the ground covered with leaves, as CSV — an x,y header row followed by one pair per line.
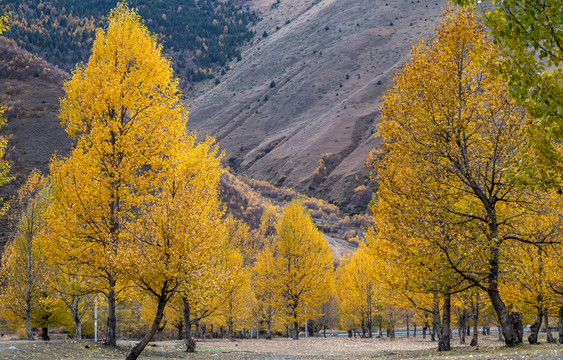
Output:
x,y
311,348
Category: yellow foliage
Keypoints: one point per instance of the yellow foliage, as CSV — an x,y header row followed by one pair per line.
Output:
x,y
236,295
358,291
4,23
24,272
264,284
137,199
303,264
447,208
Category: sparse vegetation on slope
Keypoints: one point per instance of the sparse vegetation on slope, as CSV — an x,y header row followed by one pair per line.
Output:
x,y
325,98
247,199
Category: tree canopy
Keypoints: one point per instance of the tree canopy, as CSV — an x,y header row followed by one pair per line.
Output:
x,y
137,199
529,39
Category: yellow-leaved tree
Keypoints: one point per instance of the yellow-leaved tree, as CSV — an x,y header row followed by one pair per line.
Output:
x,y
413,233
263,273
236,296
23,264
303,264
178,230
264,285
357,289
137,199
449,121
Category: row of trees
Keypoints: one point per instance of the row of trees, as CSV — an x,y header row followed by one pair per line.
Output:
x,y
464,205
278,279
134,210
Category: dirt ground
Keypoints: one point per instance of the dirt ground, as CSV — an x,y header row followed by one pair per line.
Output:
x,y
280,349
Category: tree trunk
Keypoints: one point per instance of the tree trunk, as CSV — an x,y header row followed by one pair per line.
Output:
x,y
45,333
77,319
180,327
561,324
392,329
369,311
295,330
444,335
511,336
475,339
111,324
550,338
505,320
408,326
28,332
436,326
535,328
231,329
424,328
462,326
188,340
517,326
78,326
269,333
230,323
137,349
414,331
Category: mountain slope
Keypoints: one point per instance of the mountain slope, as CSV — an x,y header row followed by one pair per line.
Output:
x,y
309,91
30,89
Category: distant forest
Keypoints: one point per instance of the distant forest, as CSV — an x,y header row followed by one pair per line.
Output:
x,y
198,35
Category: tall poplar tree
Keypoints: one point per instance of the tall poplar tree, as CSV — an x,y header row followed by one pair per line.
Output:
x,y
124,111
23,264
303,264
357,290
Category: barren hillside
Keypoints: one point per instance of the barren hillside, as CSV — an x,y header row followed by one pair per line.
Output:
x,y
310,88
30,90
